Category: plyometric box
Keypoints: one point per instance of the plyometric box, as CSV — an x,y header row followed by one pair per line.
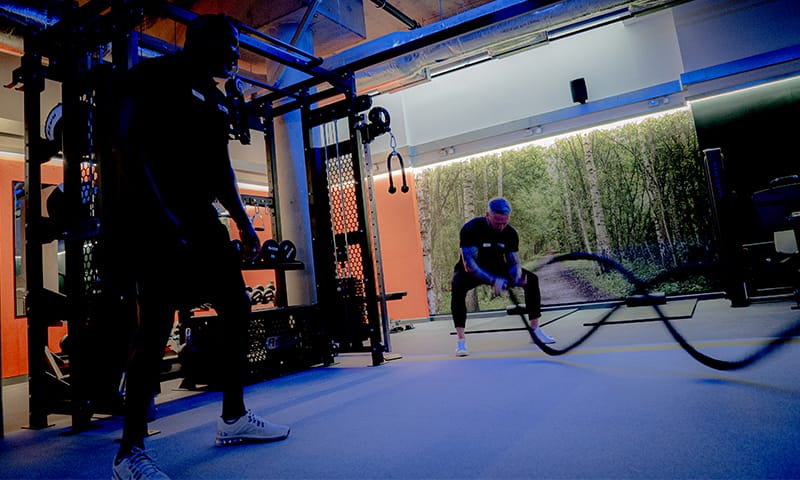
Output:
x,y
281,340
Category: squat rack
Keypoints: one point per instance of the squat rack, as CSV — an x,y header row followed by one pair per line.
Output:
x,y
72,51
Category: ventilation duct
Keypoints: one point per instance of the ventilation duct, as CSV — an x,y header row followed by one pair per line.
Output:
x,y
402,59
512,35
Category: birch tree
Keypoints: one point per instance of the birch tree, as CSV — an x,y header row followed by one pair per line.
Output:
x,y
598,216
468,192
425,224
656,210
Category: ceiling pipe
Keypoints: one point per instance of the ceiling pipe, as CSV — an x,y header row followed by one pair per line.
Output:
x,y
301,28
502,27
510,35
20,15
393,11
403,59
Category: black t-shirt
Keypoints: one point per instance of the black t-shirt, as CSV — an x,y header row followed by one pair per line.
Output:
x,y
493,246
179,129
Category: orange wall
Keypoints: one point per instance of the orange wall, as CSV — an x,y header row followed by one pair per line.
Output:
x,y
401,254
401,249
13,333
13,330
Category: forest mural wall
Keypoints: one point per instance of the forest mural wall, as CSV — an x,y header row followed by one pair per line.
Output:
x,y
635,193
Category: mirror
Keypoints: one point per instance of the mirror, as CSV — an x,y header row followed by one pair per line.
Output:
x,y
52,253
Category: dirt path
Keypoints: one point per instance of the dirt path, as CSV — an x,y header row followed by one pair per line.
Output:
x,y
560,285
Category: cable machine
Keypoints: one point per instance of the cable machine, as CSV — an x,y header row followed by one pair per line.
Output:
x,y
344,245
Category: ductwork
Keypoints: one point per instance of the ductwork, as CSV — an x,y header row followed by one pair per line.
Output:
x,y
536,27
14,19
513,35
21,15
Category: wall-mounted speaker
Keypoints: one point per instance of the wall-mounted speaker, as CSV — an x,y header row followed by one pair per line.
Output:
x,y
578,88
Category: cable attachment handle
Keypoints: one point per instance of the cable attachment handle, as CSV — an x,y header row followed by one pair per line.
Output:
x,y
395,153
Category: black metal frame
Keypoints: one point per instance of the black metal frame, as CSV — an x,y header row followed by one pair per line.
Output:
x,y
73,46
92,305
352,295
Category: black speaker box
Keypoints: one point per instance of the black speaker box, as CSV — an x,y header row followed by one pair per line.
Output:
x,y
578,88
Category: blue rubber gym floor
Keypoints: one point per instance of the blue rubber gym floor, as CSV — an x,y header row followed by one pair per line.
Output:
x,y
629,403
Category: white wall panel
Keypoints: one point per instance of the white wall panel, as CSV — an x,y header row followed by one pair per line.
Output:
x,y
711,32
613,59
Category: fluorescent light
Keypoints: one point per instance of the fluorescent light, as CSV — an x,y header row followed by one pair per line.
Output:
x,y
548,141
253,186
12,155
584,25
465,62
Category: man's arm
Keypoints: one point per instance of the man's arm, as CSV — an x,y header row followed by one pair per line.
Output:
x,y
469,256
229,198
514,269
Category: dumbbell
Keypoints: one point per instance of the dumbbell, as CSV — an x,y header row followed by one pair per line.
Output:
x,y
270,251
258,295
238,245
269,293
287,250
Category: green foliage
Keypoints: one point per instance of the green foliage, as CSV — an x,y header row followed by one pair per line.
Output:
x,y
653,200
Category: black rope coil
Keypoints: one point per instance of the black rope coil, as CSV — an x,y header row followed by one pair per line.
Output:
x,y
641,287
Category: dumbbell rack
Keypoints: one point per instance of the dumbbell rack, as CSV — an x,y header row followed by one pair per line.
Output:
x,y
281,339
280,269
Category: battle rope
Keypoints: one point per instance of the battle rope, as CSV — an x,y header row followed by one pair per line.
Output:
x,y
641,287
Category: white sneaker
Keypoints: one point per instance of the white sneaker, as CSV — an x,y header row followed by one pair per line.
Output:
x,y
249,428
138,465
461,349
543,337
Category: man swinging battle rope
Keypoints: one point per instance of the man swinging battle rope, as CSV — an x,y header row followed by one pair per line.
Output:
x,y
490,256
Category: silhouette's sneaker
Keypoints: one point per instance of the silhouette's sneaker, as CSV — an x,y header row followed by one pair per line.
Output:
x,y
461,349
543,337
249,428
138,465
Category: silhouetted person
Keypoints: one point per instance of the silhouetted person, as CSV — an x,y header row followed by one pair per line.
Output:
x,y
175,165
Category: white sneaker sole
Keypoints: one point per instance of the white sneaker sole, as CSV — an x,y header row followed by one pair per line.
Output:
x,y
543,337
236,440
546,342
